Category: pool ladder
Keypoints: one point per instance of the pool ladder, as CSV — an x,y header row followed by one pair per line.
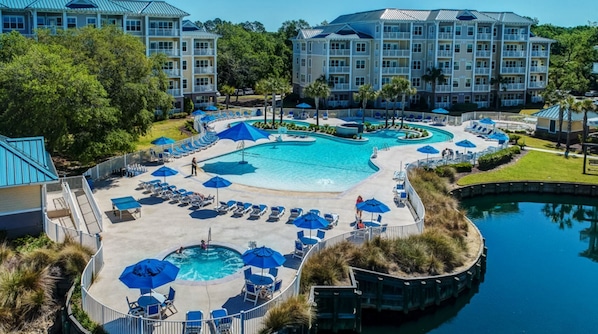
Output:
x,y
385,147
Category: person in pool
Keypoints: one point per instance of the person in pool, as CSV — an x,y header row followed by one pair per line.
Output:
x,y
204,246
180,250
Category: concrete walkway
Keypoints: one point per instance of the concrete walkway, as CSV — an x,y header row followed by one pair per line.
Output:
x,y
163,227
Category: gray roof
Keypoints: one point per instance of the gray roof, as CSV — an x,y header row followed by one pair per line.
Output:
x,y
553,114
537,39
149,8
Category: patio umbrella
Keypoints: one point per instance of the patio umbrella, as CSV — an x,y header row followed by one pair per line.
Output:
x,y
149,274
211,108
501,137
311,221
465,143
243,131
198,113
487,121
372,205
217,182
263,257
207,118
440,111
164,171
593,121
428,150
163,141
303,105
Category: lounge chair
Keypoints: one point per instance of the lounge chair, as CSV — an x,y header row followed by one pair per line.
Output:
x,y
332,219
222,322
315,211
295,212
257,210
325,116
224,207
187,197
242,208
377,115
276,212
199,202
193,324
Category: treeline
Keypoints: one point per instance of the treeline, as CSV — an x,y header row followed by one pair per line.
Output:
x,y
90,92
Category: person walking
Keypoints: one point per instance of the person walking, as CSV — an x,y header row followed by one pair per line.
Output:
x,y
359,200
194,167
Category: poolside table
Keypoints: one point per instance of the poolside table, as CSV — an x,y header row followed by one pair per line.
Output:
x,y
127,203
309,241
150,299
261,279
369,223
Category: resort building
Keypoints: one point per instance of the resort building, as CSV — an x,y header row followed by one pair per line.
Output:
x,y
484,56
191,52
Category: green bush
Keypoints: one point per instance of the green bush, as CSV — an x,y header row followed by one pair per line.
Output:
x,y
493,160
178,115
447,172
463,167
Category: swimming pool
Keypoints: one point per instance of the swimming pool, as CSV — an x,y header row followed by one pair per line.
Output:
x,y
197,264
328,164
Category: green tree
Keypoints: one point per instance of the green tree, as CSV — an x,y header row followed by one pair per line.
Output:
x,y
402,86
188,105
572,107
317,90
586,105
283,88
501,85
433,75
263,87
227,91
364,94
389,95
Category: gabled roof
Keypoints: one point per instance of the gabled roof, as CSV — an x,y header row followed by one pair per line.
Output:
x,y
191,29
24,161
130,7
343,31
553,114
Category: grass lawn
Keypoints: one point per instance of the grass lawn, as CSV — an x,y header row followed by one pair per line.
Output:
x,y
169,128
540,143
535,166
528,111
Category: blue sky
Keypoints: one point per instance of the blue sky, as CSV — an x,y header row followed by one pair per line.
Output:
x,y
272,13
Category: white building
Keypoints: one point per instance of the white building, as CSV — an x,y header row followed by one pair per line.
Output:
x,y
470,47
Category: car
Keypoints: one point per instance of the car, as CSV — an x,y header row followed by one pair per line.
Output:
x,y
239,91
592,93
248,91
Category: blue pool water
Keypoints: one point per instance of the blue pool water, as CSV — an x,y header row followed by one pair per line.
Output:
x,y
328,164
541,271
197,264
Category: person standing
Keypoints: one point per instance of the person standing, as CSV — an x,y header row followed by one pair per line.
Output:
x,y
359,200
194,167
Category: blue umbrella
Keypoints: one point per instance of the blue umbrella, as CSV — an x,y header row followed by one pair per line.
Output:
x,y
501,137
465,143
311,221
149,274
163,141
487,121
428,150
217,182
263,257
372,205
243,131
198,113
440,111
211,108
303,105
164,171
208,118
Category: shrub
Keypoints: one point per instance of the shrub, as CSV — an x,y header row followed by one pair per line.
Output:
x,y
493,160
446,172
462,167
178,115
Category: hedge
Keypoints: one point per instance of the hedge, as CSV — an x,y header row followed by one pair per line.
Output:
x,y
493,160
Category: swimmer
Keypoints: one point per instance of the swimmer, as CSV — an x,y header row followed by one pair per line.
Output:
x,y
203,245
180,250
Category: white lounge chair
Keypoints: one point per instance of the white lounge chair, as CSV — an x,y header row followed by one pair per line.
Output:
x,y
295,212
332,219
242,208
257,210
199,202
225,207
276,212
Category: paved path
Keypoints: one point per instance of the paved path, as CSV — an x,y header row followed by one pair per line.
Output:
x,y
164,227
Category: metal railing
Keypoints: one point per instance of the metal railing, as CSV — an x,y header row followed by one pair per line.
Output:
x,y
58,233
72,205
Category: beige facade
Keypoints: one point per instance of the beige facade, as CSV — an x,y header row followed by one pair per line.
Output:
x,y
470,47
20,199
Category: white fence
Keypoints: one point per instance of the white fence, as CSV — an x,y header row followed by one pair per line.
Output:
x,y
58,233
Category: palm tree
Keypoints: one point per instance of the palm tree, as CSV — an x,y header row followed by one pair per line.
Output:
x,y
586,105
574,107
388,94
281,85
317,90
501,83
433,75
262,87
556,97
366,92
402,87
227,91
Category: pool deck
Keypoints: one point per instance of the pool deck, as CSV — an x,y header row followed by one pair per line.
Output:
x,y
163,227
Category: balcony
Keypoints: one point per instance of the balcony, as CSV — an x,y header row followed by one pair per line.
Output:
x,y
537,99
340,86
515,37
395,70
174,92
482,104
513,70
203,88
481,88
543,54
445,105
443,89
204,70
339,69
541,69
335,104
445,53
175,72
203,52
482,70
163,32
515,86
168,52
340,52
484,54
484,36
537,84
513,54
396,53
397,35
445,35
511,103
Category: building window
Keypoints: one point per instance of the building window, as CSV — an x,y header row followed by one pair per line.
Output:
x,y
417,47
360,47
184,46
309,62
458,30
41,22
184,65
359,81
493,48
302,46
91,21
493,64
468,66
418,30
456,66
302,77
455,83
71,22
13,22
467,83
302,62
469,48
469,31
417,64
133,25
360,64
467,99
415,82
184,83
457,47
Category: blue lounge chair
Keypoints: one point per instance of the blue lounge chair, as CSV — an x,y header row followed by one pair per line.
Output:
x,y
291,114
225,207
295,212
194,321
258,210
276,212
332,219
315,211
222,322
242,208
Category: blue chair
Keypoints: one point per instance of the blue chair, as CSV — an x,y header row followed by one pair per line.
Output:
x,y
300,235
321,234
247,273
273,272
193,324
169,302
251,293
315,211
299,249
144,291
222,322
153,312
274,287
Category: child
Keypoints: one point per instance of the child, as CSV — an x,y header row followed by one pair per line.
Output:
x,y
360,224
204,246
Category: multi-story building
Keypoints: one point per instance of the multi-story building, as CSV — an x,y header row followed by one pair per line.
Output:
x,y
471,48
191,52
